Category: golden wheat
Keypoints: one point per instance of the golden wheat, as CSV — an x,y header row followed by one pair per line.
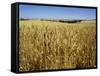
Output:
x,y
45,45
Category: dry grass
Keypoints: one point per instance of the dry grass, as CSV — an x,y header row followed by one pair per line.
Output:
x,y
48,45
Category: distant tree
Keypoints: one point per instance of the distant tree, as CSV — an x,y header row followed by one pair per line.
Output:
x,y
71,21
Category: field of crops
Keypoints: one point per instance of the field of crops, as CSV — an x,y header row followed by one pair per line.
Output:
x,y
46,45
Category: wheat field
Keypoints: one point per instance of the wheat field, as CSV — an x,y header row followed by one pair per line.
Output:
x,y
47,45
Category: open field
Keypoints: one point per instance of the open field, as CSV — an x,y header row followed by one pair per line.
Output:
x,y
45,45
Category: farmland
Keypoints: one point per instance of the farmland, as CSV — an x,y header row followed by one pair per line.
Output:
x,y
47,45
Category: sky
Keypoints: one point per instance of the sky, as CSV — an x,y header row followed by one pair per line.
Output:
x,y
51,12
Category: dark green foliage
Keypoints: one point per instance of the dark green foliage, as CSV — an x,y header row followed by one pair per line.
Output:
x,y
71,21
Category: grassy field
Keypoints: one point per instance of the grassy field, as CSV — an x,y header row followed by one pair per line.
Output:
x,y
46,45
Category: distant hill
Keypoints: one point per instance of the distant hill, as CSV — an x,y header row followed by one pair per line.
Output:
x,y
64,20
88,21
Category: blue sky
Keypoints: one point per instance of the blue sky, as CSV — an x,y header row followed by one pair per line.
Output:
x,y
50,12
